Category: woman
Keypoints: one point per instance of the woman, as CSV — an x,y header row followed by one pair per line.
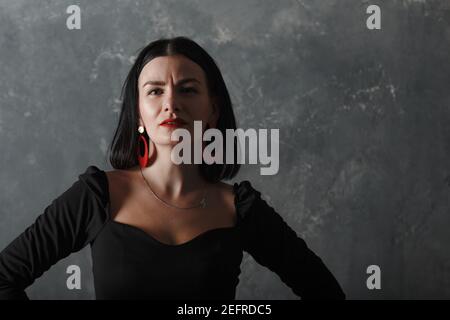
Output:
x,y
158,229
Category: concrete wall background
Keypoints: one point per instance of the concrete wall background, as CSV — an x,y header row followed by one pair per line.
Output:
x,y
363,115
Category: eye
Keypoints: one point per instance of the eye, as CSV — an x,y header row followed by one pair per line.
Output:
x,y
188,89
153,90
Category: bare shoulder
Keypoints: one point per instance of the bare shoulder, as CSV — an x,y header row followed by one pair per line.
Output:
x,y
225,187
122,190
114,177
115,182
226,193
122,182
117,176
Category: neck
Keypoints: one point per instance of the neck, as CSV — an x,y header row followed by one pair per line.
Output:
x,y
170,179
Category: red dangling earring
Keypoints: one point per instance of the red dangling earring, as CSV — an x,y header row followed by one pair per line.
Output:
x,y
142,148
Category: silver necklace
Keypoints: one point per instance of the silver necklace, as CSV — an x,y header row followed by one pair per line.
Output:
x,y
202,203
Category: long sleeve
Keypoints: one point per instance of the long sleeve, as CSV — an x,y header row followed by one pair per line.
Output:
x,y
68,224
273,244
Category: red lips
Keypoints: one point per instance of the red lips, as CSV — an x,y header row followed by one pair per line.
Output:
x,y
173,122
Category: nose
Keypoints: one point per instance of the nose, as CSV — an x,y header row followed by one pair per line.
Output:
x,y
170,104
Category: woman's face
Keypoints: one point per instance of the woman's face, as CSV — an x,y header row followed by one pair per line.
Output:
x,y
174,87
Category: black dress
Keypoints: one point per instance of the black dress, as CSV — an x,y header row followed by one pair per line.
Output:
x,y
128,263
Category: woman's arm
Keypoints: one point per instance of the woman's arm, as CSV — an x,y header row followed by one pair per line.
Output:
x,y
273,244
68,224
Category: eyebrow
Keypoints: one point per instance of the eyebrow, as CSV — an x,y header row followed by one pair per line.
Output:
x,y
162,83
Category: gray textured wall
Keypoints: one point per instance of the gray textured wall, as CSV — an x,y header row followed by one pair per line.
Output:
x,y
363,116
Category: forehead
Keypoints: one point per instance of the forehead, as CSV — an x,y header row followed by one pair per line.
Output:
x,y
176,67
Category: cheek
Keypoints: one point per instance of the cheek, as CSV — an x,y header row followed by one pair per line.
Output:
x,y
202,109
147,109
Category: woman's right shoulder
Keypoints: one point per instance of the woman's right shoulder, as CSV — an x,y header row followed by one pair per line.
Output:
x,y
122,184
106,186
118,179
95,181
98,179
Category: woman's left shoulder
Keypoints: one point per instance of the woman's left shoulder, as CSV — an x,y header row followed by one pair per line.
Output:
x,y
239,194
225,192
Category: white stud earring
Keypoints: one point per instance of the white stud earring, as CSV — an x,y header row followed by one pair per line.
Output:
x,y
141,129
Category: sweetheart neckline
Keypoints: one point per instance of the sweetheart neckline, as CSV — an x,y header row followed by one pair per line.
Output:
x,y
150,237
183,244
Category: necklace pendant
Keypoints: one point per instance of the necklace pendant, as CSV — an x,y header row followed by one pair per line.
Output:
x,y
203,203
